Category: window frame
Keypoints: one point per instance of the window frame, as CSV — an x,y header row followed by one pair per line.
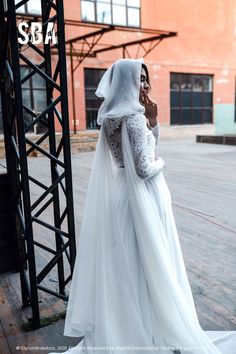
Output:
x,y
31,90
111,6
26,11
193,107
93,88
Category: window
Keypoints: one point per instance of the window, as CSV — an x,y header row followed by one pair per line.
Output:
x,y
191,98
116,12
34,96
92,102
31,7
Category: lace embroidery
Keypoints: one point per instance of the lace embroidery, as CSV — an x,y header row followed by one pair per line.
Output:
x,y
113,134
142,141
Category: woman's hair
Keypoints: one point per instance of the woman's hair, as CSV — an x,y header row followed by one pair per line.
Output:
x,y
144,66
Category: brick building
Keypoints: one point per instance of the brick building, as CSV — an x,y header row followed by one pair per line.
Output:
x,y
192,73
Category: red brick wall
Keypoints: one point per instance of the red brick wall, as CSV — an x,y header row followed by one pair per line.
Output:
x,y
205,43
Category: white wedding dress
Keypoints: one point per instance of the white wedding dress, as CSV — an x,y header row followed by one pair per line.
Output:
x,y
130,292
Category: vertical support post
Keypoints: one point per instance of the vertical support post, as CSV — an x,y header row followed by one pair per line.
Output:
x,y
66,132
53,149
15,130
11,158
18,113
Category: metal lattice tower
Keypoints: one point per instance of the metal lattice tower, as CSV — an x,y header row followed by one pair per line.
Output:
x,y
56,197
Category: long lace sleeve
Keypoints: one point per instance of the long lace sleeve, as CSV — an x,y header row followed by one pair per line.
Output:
x,y
156,132
136,127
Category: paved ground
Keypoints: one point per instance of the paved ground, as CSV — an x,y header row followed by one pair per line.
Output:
x,y
202,181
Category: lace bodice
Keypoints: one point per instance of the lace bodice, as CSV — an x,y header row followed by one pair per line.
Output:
x,y
142,141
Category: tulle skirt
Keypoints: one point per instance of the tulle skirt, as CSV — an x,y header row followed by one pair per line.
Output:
x,y
130,291
140,330
160,196
135,324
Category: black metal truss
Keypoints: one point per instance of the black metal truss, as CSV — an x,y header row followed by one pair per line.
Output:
x,y
153,42
58,195
87,43
91,44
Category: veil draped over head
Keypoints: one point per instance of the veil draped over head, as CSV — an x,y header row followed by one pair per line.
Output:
x,y
119,87
103,306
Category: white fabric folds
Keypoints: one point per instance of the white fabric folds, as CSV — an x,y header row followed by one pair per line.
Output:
x,y
130,292
121,276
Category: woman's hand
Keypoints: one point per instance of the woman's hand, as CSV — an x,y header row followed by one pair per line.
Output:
x,y
151,111
161,162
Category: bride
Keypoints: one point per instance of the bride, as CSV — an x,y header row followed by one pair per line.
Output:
x,y
130,291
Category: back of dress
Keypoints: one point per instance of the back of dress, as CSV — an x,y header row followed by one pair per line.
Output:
x,y
142,143
113,131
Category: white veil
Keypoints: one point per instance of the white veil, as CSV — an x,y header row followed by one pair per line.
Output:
x,y
118,87
101,305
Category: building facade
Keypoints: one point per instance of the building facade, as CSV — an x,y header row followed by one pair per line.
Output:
x,y
192,74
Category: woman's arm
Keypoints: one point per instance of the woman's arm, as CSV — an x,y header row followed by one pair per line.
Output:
x,y
136,126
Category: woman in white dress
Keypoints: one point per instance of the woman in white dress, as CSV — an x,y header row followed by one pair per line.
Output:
x,y
130,292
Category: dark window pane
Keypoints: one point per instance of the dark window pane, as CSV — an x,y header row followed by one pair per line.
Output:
x,y
207,99
26,96
40,102
175,116
34,97
197,84
92,78
174,99
195,95
207,84
38,81
186,84
197,99
92,102
91,119
186,99
207,115
24,71
197,116
90,94
186,116
174,82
